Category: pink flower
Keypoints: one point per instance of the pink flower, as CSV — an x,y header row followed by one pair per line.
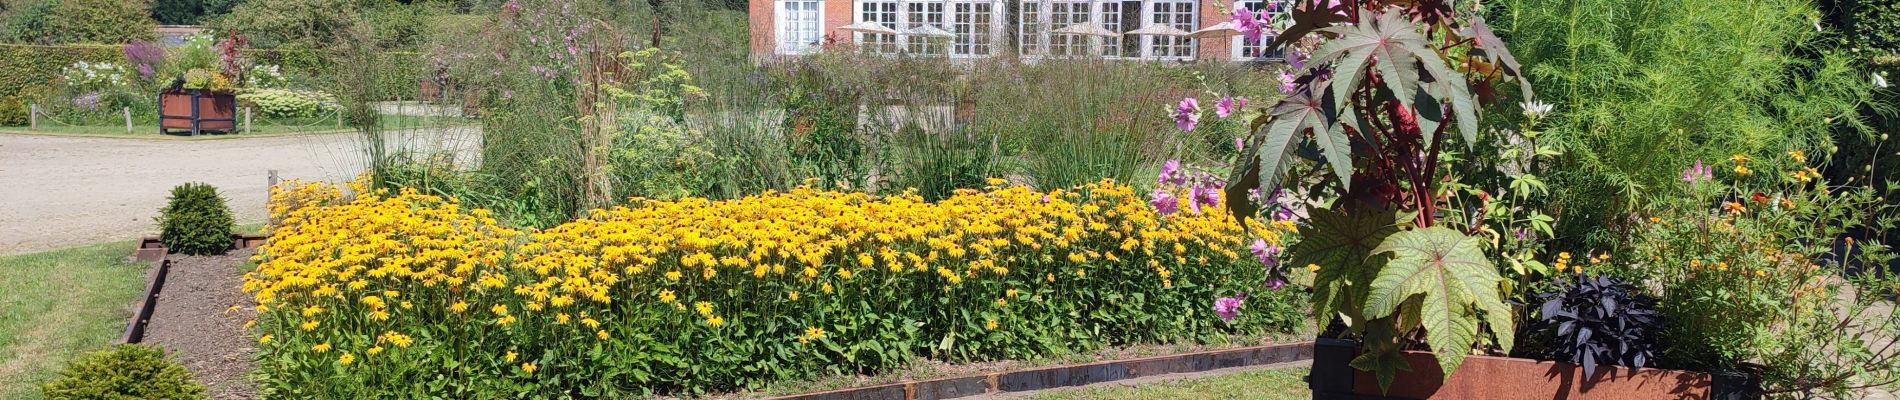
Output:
x,y
1206,194
1227,308
1247,24
1164,202
1697,172
1229,106
1286,82
1240,143
1171,173
1275,283
1187,114
1267,253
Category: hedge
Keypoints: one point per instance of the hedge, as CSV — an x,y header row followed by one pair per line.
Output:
x,y
23,66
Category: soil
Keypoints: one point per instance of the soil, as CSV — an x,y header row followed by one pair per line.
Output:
x,y
195,323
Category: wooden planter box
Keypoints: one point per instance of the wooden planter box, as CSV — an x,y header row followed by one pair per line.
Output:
x,y
1482,377
194,112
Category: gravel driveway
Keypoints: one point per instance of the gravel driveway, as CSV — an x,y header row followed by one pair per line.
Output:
x,y
58,191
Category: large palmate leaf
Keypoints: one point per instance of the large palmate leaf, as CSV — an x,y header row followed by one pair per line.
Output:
x,y
1267,157
1489,46
1342,244
1309,16
1387,42
1449,272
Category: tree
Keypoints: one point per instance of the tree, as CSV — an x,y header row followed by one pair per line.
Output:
x,y
81,21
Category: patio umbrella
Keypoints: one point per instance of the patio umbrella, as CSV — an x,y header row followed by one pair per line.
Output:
x,y
868,27
1086,29
1225,28
929,31
1159,30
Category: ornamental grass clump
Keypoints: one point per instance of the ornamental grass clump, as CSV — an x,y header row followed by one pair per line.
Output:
x,y
196,221
404,294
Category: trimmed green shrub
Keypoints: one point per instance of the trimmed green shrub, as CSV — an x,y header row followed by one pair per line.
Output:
x,y
126,372
196,222
82,21
282,103
13,112
23,66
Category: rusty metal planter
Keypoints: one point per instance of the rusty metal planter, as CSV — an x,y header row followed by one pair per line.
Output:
x,y
196,111
1483,377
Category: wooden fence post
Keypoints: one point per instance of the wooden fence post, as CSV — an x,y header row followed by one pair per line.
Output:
x,y
128,119
32,117
247,120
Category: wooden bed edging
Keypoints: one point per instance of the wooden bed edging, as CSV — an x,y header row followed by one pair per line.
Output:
x,y
1069,375
150,249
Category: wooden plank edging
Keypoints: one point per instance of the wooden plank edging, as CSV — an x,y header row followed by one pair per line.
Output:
x,y
1069,375
150,249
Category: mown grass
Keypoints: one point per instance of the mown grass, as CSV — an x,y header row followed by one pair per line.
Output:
x,y
1260,384
58,304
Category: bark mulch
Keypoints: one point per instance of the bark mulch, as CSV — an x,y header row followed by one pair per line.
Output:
x,y
195,323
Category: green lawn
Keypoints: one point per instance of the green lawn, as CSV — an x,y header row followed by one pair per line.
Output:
x,y
1259,384
58,304
149,129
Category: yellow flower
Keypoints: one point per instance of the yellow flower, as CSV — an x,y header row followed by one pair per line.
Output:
x,y
458,307
1011,292
561,318
499,309
704,308
990,324
826,288
379,315
309,325
307,311
1000,302
673,275
996,181
715,321
793,295
592,323
1312,267
346,359
814,332
1721,266
321,347
1742,170
510,356
602,334
527,368
1734,207
263,339
374,350
1738,158
1798,156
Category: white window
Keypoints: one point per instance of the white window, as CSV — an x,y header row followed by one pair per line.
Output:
x,y
883,13
917,15
1179,14
1248,50
972,24
798,26
1032,34
1035,28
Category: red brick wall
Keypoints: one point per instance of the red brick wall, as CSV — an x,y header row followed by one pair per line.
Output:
x,y
759,12
837,13
1215,48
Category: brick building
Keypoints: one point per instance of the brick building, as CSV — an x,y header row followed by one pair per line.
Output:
x,y
965,29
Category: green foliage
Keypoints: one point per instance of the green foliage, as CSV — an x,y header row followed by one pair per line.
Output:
x,y
196,221
937,164
190,12
1445,283
25,66
124,372
313,24
1874,26
284,103
1646,88
1780,275
81,21
13,112
1341,242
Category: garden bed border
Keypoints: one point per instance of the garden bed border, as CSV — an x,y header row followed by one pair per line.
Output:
x,y
150,249
1069,375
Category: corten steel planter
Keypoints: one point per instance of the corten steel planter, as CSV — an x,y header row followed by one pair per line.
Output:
x,y
1484,377
196,112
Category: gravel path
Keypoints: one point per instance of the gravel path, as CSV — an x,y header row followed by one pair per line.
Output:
x,y
195,323
59,191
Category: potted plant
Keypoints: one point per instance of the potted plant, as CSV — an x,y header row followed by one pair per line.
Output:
x,y
1408,287
203,98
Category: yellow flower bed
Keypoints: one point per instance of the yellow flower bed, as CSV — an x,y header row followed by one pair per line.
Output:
x,y
396,296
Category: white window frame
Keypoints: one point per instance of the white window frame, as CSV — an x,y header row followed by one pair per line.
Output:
x,y
885,43
1238,45
784,33
1109,48
967,45
947,20
1149,44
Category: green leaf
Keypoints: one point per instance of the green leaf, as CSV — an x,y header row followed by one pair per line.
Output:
x,y
1308,16
1386,42
1342,245
1266,159
1492,49
1451,273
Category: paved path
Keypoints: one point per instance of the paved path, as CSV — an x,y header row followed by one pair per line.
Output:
x,y
62,191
